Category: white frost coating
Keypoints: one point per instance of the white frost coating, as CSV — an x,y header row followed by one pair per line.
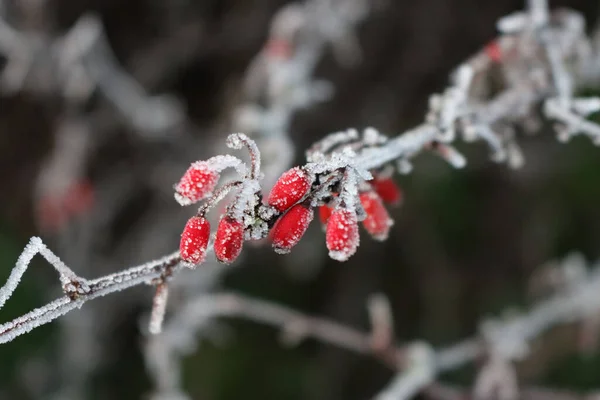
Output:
x,y
159,307
538,12
512,23
419,372
586,106
450,154
210,169
372,137
245,200
317,151
97,287
220,163
451,104
35,246
573,123
37,317
237,141
349,193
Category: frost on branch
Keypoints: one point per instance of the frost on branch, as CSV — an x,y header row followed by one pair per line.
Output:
x,y
73,285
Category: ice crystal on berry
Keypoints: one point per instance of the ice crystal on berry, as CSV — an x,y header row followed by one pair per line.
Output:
x,y
377,221
290,228
342,234
229,239
290,188
194,240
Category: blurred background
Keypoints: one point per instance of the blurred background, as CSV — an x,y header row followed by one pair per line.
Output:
x,y
93,138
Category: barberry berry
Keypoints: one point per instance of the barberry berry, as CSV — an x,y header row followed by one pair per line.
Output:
x,y
197,183
387,190
378,221
290,228
493,51
324,213
278,48
290,188
341,234
229,239
194,240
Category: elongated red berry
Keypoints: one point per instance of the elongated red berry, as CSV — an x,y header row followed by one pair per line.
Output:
x,y
290,188
290,228
229,239
197,183
194,240
378,221
341,234
324,214
387,190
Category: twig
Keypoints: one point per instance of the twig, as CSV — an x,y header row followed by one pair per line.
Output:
x,y
510,338
438,391
92,289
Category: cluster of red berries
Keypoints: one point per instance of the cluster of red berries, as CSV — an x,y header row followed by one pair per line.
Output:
x,y
292,210
196,184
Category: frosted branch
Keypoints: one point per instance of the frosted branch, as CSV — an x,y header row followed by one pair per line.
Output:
x,y
78,291
506,339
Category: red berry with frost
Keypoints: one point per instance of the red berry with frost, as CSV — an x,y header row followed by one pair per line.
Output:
x,y
278,48
290,228
378,221
387,190
324,214
194,240
197,183
290,188
229,239
341,234
493,51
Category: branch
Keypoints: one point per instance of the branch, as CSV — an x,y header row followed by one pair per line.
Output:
x,y
439,391
77,290
510,338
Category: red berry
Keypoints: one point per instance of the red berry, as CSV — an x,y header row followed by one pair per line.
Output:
x,y
194,240
196,184
290,228
278,48
378,221
324,214
79,197
387,190
290,188
341,234
229,239
493,51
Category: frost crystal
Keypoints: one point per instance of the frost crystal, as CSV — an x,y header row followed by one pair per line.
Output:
x,y
377,221
290,188
229,239
194,240
197,183
159,307
290,228
342,234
